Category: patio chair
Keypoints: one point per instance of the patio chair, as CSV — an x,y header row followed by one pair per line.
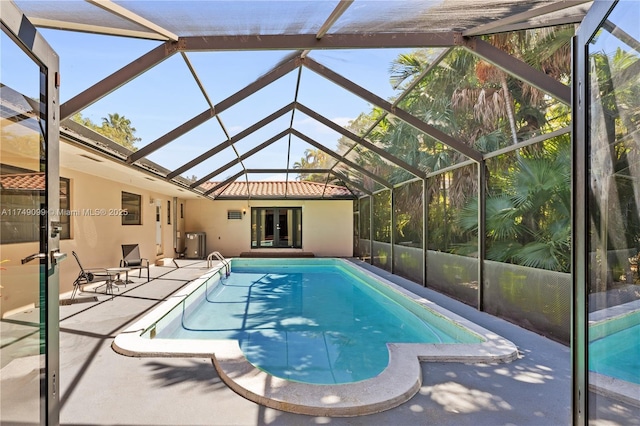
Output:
x,y
87,276
131,259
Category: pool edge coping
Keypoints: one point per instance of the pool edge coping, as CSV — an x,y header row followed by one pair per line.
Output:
x,y
609,386
396,384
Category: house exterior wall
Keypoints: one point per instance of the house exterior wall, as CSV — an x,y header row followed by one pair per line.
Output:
x,y
97,238
327,225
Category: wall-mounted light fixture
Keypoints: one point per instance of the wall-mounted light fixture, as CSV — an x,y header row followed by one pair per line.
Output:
x,y
244,212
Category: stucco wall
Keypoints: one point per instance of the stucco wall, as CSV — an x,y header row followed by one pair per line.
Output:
x,y
97,238
327,225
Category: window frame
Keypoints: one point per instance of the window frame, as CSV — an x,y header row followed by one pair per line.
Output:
x,y
131,217
65,210
257,237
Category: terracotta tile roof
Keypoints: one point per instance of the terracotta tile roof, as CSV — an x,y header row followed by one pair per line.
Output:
x,y
23,181
279,189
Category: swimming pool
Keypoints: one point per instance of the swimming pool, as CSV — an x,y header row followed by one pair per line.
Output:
x,y
313,336
614,352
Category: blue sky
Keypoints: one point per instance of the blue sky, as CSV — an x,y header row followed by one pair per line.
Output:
x,y
167,96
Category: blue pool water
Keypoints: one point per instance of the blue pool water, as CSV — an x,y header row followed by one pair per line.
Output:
x,y
310,322
618,354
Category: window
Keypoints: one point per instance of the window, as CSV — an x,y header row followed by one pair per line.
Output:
x,y
181,211
168,212
65,209
132,204
22,204
276,227
234,214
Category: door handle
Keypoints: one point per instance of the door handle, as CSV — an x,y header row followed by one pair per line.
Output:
x,y
33,256
57,257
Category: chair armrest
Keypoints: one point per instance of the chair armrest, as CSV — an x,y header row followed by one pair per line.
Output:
x,y
143,259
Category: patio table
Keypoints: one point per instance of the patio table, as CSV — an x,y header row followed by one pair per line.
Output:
x,y
114,278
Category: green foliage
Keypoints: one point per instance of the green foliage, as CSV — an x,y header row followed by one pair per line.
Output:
x,y
115,127
528,192
528,209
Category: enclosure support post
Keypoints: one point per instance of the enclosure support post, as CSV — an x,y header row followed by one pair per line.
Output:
x,y
392,229
482,198
371,229
425,231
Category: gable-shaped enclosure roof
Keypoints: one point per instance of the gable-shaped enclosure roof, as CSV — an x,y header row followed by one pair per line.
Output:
x,y
297,36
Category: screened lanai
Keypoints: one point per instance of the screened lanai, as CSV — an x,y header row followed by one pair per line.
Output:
x,y
287,56
449,122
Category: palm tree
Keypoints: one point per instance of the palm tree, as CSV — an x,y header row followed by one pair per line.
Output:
x,y
313,159
528,210
120,130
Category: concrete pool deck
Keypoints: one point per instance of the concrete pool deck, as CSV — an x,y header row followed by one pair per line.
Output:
x,y
101,387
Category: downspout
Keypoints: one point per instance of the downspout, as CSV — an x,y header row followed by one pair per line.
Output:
x,y
174,213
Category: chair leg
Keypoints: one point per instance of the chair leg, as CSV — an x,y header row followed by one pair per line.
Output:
x,y
76,286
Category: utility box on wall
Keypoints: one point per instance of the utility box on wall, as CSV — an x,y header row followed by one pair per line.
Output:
x,y
196,245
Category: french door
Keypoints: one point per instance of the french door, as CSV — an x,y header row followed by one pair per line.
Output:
x,y
276,227
30,224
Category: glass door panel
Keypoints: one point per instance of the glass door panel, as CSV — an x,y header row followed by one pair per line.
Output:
x,y
283,227
268,227
29,224
276,227
22,198
296,228
612,68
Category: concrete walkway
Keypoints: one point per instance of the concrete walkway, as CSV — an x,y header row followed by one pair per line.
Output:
x,y
100,387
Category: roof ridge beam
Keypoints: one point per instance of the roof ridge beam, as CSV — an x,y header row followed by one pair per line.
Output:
x,y
517,68
391,109
302,42
358,140
288,170
117,79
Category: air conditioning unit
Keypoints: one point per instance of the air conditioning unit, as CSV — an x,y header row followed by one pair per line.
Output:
x,y
196,244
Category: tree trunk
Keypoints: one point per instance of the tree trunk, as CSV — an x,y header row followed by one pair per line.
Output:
x,y
509,105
